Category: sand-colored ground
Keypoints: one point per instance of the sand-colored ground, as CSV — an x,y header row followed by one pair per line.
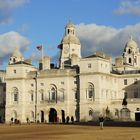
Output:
x,y
67,132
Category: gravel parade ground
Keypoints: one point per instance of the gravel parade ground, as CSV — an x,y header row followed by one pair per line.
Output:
x,y
67,132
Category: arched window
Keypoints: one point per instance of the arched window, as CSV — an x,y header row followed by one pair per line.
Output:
x,y
129,60
68,31
90,91
53,93
14,60
129,51
90,112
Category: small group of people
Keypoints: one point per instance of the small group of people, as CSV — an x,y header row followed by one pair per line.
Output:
x,y
14,121
69,119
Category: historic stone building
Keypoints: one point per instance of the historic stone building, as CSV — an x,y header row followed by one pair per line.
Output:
x,y
2,95
80,87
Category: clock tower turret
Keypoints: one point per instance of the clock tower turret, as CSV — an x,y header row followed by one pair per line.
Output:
x,y
70,45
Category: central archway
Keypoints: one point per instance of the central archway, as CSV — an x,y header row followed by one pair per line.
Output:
x,y
52,115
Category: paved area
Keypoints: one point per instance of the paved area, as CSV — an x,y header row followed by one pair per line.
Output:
x,y
67,132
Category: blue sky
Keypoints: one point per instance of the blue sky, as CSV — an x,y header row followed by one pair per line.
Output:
x,y
100,25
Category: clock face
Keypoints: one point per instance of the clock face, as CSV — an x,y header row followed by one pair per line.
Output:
x,y
66,49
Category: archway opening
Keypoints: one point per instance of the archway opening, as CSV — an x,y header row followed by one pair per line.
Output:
x,y
52,115
137,116
63,116
42,116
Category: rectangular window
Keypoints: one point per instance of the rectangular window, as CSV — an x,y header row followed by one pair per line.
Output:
x,y
14,71
42,84
89,65
32,85
62,82
32,97
135,94
125,81
89,94
15,97
53,96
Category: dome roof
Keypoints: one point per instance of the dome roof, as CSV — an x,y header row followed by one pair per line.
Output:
x,y
17,53
131,44
69,25
70,39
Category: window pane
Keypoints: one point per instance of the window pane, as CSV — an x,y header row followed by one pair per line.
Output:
x,y
15,97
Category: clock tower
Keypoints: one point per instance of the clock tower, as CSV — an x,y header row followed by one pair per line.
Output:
x,y
70,47
131,54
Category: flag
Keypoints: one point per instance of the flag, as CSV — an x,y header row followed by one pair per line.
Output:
x,y
39,47
59,46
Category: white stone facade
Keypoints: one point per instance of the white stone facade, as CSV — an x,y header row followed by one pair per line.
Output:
x,y
2,95
81,87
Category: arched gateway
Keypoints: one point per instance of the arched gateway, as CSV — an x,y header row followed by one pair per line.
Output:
x,y
52,115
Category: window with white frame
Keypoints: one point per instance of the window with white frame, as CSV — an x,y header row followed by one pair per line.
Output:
x,y
15,97
15,94
42,84
89,65
90,112
125,81
53,94
90,91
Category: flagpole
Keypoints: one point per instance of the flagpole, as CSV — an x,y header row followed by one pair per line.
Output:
x,y
42,55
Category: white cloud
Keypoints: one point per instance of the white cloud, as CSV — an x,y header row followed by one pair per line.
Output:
x,y
128,7
103,38
7,7
9,41
24,28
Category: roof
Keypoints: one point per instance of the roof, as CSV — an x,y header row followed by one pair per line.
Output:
x,y
70,24
21,62
70,39
100,55
131,44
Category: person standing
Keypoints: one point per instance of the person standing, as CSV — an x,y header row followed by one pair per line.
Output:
x,y
101,120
